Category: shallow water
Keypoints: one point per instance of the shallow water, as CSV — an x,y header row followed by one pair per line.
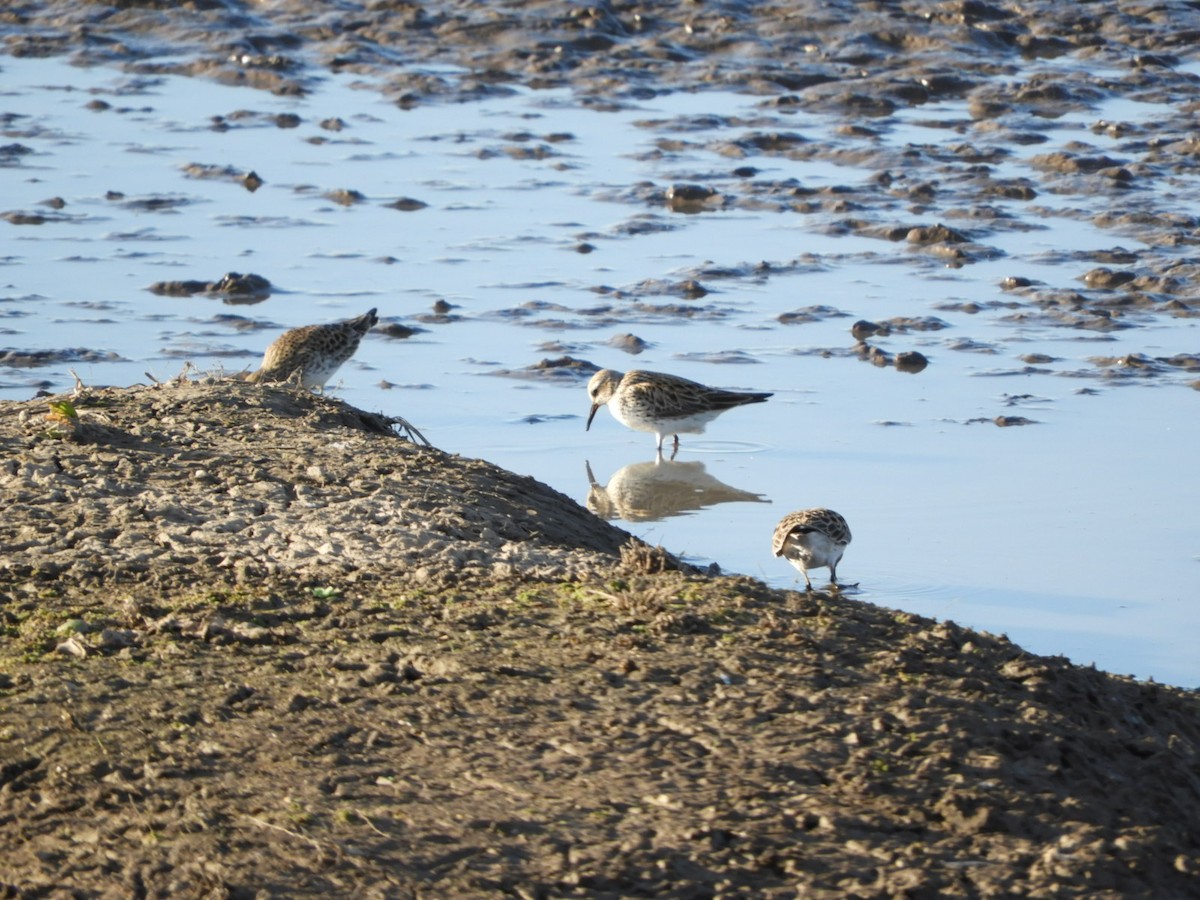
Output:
x,y
1074,535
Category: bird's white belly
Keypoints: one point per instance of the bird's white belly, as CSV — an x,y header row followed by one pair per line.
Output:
x,y
317,373
814,550
693,424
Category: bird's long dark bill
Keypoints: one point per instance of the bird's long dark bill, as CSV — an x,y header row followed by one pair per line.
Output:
x,y
591,415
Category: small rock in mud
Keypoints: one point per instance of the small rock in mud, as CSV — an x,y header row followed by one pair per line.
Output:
x,y
874,355
1130,363
969,345
16,217
817,313
233,287
563,368
249,180
904,324
27,359
10,153
1067,163
1013,282
935,234
881,232
1189,362
154,203
441,314
1106,278
692,198
396,330
237,323
862,329
407,204
236,284
566,363
628,343
180,288
344,196
642,225
689,288
911,361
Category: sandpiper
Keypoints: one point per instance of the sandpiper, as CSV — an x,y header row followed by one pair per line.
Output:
x,y
313,352
663,404
812,538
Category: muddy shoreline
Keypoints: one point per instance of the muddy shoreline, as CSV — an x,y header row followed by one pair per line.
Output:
x,y
314,657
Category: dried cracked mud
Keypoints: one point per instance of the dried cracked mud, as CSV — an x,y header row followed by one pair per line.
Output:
x,y
257,643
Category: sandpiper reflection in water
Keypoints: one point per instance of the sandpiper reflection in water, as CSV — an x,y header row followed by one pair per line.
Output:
x,y
659,489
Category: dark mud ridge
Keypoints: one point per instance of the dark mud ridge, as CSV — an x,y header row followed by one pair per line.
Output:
x,y
867,59
258,644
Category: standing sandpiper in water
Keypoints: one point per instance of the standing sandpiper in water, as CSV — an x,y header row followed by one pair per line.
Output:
x,y
314,352
663,404
812,538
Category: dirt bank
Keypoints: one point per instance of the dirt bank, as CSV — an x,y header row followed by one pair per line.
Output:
x,y
258,644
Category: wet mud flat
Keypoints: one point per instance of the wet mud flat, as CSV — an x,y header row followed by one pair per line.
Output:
x,y
318,658
979,86
896,54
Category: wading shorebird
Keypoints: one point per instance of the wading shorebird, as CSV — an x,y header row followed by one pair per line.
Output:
x,y
812,539
313,352
663,404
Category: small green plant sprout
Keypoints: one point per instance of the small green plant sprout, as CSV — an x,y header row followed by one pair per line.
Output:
x,y
324,593
62,410
63,419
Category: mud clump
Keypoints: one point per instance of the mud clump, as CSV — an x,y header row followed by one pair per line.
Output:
x,y
30,359
232,287
168,478
257,643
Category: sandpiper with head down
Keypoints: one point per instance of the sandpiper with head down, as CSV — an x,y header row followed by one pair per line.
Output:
x,y
812,539
663,404
313,352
